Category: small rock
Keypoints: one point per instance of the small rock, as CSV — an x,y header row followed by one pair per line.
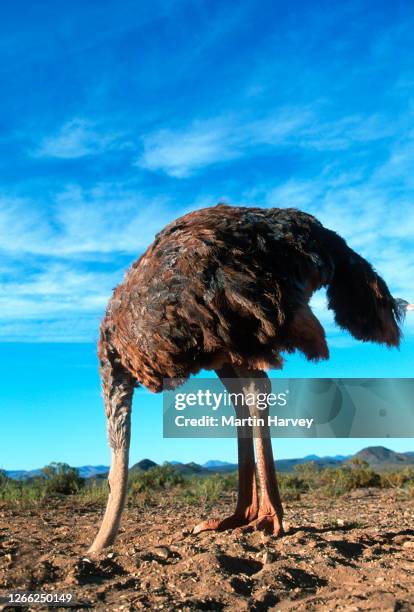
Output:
x,y
400,539
408,544
340,522
269,557
163,552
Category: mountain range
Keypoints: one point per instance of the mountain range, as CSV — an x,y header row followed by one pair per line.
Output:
x,y
377,457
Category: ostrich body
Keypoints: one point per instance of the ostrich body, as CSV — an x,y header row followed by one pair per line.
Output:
x,y
228,289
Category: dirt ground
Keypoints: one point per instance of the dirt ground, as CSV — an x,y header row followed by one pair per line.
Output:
x,y
351,553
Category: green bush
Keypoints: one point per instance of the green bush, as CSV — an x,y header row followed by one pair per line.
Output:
x,y
292,486
95,491
402,479
156,484
61,479
209,488
308,471
157,478
22,491
354,475
56,479
4,479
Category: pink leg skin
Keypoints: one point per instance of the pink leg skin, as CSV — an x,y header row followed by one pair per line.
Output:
x,y
249,514
270,509
247,503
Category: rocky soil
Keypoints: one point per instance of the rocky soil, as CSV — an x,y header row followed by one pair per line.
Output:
x,y
351,553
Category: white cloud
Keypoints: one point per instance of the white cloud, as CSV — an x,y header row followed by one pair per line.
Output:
x,y
56,290
60,261
66,327
63,279
342,133
56,302
182,152
81,223
77,138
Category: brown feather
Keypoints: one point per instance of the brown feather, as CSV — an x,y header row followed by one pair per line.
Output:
x,y
232,284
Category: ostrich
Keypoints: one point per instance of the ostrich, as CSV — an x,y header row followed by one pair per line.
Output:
x,y
227,289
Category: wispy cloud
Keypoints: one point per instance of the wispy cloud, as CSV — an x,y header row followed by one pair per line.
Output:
x,y
56,291
180,153
82,222
64,327
77,138
55,301
60,262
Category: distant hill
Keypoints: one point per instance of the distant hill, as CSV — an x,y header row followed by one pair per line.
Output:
x,y
378,457
187,469
85,471
317,458
23,474
282,465
190,469
287,465
216,463
91,471
143,466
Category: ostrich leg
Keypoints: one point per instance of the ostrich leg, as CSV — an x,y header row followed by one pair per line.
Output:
x,y
118,387
247,502
270,508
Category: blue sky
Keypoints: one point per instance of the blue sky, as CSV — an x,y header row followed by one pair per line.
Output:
x,y
116,117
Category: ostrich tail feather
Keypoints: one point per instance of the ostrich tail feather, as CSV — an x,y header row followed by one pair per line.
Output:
x,y
360,298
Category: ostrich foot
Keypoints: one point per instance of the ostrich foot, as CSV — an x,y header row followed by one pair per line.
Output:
x,y
268,522
234,521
